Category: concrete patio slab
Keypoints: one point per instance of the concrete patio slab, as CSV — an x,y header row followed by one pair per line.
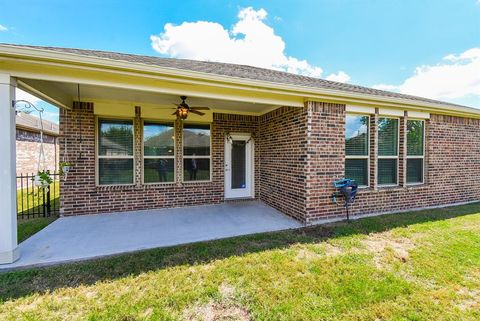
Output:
x,y
91,236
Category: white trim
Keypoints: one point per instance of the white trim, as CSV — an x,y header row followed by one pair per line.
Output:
x,y
390,112
422,157
359,109
98,156
249,190
418,114
367,157
397,157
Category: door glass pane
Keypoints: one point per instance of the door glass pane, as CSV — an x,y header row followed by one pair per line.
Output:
x,y
238,164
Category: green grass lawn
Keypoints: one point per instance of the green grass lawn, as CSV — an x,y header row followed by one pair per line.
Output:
x,y
30,201
27,228
413,266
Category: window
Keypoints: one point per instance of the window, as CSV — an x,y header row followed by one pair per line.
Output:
x,y
388,151
115,152
196,152
415,151
158,153
357,148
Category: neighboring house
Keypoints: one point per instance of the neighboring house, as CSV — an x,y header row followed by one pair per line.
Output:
x,y
269,135
28,143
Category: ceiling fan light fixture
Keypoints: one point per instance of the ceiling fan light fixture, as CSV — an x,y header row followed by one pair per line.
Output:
x,y
182,112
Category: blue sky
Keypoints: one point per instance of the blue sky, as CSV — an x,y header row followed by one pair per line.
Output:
x,y
427,48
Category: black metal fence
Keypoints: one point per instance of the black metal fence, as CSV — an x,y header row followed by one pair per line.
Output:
x,y
34,201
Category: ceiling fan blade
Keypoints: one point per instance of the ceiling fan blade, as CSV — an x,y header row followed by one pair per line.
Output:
x,y
164,108
200,108
197,112
176,112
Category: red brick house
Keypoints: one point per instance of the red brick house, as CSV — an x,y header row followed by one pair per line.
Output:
x,y
28,142
268,135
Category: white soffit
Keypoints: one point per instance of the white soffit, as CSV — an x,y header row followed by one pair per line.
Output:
x,y
391,112
418,114
360,109
113,109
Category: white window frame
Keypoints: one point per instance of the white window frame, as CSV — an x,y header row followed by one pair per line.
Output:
x,y
197,156
415,156
97,150
390,157
159,122
367,157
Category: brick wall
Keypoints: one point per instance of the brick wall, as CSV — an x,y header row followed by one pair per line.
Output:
x,y
452,165
28,149
283,152
80,195
298,153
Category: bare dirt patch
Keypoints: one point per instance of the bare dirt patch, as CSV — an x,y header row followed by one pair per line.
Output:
x,y
226,309
379,243
468,299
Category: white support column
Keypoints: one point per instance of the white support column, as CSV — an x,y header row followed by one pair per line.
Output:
x,y
8,190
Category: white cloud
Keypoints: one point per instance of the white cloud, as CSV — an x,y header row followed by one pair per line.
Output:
x,y
250,41
341,76
456,77
3,28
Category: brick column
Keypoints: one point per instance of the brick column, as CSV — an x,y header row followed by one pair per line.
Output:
x,y
179,151
325,157
77,126
374,150
402,152
138,152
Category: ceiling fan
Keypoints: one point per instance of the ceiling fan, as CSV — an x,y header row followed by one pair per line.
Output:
x,y
183,109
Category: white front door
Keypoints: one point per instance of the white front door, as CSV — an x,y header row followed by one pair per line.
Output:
x,y
239,178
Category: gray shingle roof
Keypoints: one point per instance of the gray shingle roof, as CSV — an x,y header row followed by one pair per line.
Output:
x,y
32,123
239,71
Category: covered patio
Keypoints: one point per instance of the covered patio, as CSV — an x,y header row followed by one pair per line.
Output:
x,y
118,128
86,237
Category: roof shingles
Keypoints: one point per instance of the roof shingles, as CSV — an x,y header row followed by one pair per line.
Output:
x,y
239,71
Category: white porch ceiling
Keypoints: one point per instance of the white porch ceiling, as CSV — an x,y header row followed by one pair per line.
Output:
x,y
67,92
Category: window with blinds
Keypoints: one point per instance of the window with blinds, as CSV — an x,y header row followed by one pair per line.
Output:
x,y
415,151
357,148
388,132
158,152
196,152
115,152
